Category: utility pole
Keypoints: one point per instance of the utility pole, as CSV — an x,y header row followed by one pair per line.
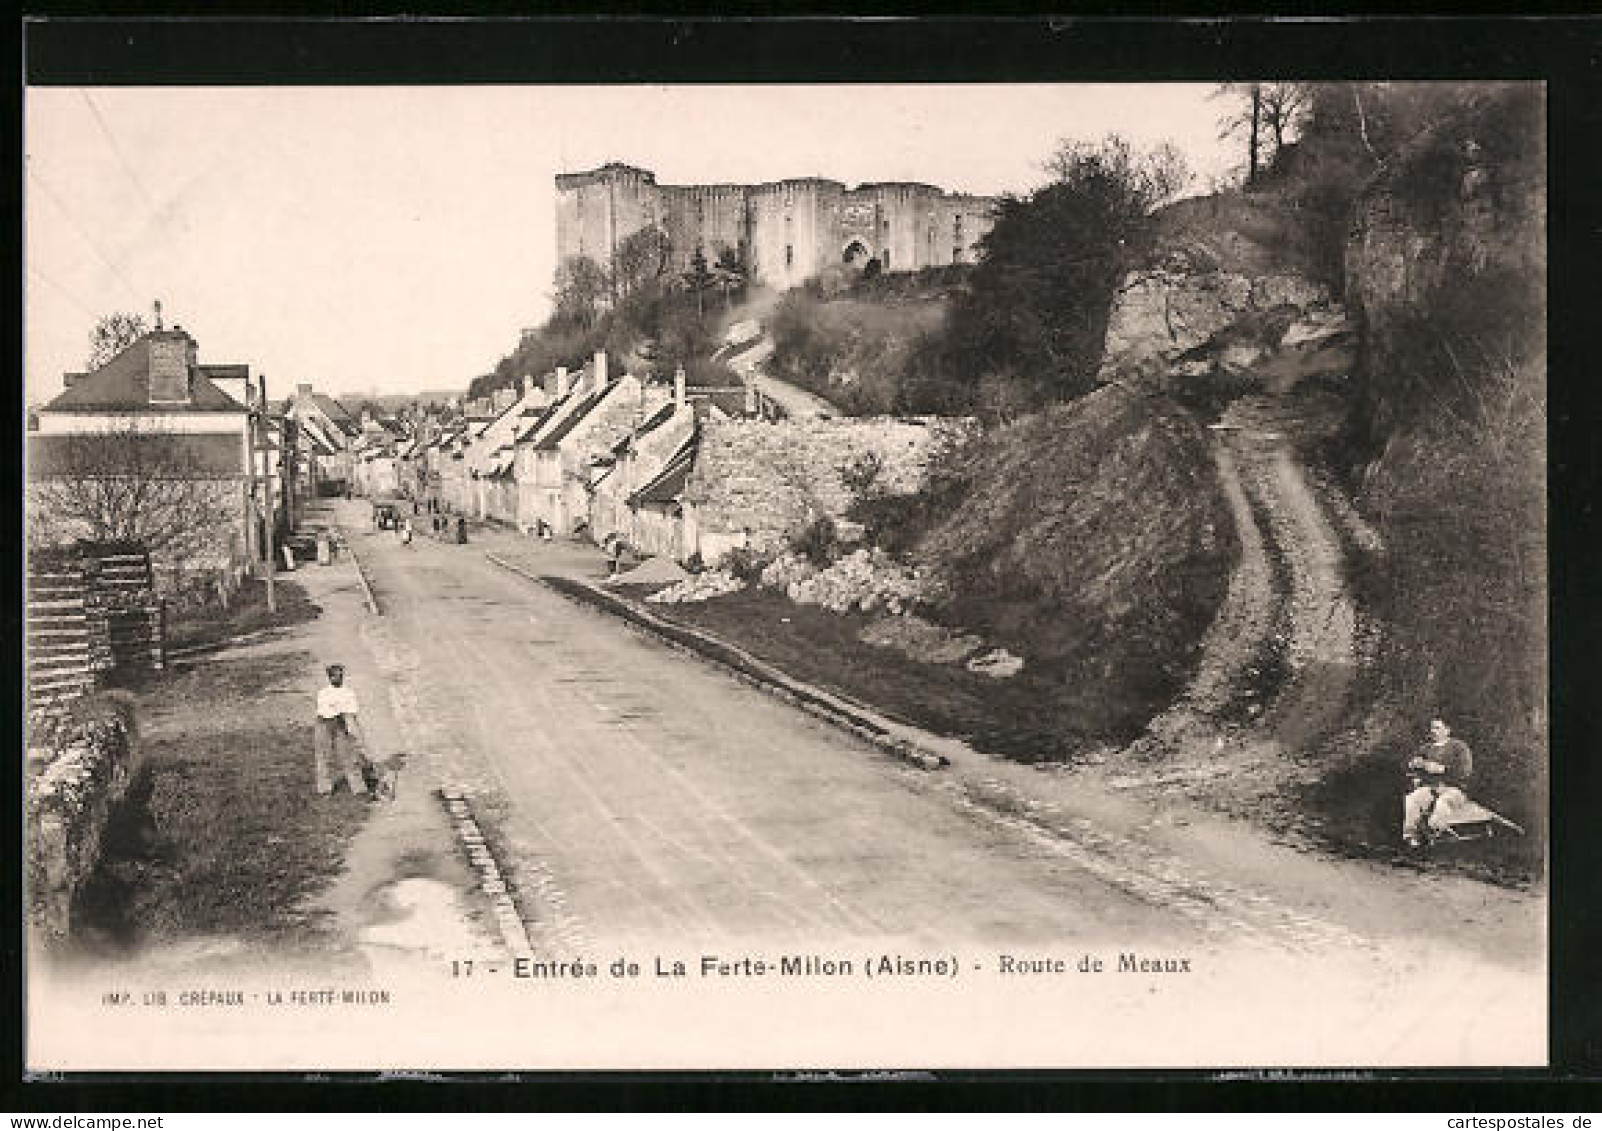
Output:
x,y
272,552
287,459
252,535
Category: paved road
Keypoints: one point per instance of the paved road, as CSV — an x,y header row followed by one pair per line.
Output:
x,y
646,795
644,800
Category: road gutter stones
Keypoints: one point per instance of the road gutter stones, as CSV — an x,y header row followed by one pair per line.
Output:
x,y
361,572
491,880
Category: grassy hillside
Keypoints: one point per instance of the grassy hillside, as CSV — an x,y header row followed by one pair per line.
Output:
x,y
1093,540
1447,445
851,350
1256,233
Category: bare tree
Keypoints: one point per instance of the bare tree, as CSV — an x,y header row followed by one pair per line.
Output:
x,y
111,335
1246,116
135,483
1275,108
1284,106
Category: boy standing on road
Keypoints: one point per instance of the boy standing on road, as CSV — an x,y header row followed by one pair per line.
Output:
x,y
338,730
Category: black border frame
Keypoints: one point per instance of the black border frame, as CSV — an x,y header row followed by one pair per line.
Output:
x,y
71,46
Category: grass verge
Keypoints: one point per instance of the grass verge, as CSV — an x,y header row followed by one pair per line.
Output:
x,y
247,614
222,833
1030,717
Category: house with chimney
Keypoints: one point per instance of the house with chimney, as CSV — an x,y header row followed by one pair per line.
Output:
x,y
633,470
152,447
491,457
657,511
325,431
561,457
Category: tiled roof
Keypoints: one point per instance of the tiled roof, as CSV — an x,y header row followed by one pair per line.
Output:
x,y
555,436
661,417
123,385
669,482
532,423
337,412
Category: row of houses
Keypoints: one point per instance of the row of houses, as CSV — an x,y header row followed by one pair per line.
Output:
x,y
578,451
184,457
674,471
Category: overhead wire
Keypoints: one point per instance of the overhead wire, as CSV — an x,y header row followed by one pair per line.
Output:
x,y
67,294
116,149
82,233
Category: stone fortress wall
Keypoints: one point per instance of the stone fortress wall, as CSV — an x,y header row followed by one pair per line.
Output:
x,y
784,232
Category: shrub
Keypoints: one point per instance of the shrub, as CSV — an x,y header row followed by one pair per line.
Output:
x,y
745,563
818,542
861,475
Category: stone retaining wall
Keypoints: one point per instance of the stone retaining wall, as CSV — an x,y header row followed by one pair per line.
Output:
x,y
772,478
78,771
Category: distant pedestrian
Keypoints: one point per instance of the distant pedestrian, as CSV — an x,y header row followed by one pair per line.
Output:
x,y
336,741
406,532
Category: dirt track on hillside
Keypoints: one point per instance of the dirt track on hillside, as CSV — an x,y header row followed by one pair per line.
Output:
x,y
1280,660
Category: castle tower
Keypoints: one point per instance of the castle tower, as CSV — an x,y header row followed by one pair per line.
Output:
x,y
782,232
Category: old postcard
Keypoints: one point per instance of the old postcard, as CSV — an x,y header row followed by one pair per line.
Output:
x,y
786,577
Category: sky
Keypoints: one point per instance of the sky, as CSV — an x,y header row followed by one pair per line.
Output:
x,y
397,239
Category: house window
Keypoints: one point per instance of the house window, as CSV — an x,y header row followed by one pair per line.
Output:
x,y
789,255
886,258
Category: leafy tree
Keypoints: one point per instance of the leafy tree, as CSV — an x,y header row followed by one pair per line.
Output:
x,y
730,275
111,335
582,288
699,279
642,258
1036,309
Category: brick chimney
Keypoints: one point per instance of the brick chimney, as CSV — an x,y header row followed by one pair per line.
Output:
x,y
678,388
561,382
528,385
171,354
303,392
600,369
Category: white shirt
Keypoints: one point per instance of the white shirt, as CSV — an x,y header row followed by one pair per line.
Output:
x,y
333,702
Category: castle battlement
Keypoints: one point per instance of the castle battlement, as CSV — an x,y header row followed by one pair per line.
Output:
x,y
784,232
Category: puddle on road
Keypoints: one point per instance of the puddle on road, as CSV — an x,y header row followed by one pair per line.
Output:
x,y
424,917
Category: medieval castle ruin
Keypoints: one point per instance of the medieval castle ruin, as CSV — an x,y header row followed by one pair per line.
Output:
x,y
783,232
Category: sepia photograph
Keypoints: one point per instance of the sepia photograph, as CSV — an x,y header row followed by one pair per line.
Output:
x,y
785,576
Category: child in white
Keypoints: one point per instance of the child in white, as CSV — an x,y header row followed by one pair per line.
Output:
x,y
339,742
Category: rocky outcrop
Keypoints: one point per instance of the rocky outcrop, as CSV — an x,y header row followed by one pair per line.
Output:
x,y
1183,302
1455,223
